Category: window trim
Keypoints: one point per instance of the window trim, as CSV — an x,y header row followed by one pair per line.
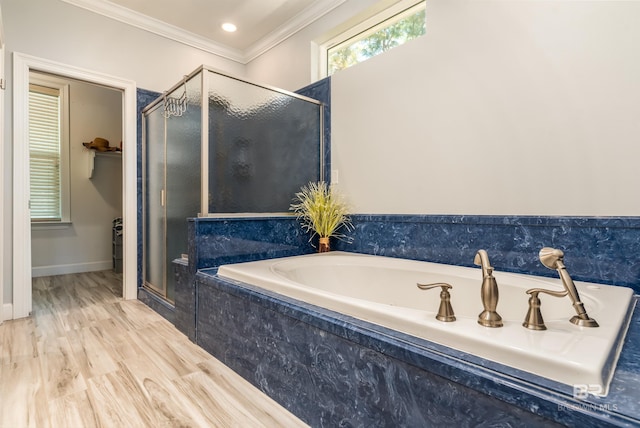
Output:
x,y
359,24
65,187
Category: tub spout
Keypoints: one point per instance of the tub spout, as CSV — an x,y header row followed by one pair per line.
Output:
x,y
488,292
553,259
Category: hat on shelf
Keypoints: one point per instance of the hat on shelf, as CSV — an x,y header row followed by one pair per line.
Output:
x,y
99,144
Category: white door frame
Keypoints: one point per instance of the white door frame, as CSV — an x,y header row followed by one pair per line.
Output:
x,y
3,312
22,65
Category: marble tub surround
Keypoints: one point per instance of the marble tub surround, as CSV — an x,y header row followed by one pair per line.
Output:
x,y
214,241
597,249
331,369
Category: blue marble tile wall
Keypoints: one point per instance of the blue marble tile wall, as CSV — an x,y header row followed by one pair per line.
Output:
x,y
185,300
219,241
321,91
602,250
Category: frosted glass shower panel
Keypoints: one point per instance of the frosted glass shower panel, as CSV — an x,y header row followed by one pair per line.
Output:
x,y
183,157
154,224
263,146
172,180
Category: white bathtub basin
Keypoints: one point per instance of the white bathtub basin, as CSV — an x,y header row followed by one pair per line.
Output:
x,y
382,290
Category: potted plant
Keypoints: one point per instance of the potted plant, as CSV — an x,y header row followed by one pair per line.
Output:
x,y
323,212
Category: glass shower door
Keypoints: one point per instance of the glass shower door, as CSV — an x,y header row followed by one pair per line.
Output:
x,y
172,183
183,149
154,216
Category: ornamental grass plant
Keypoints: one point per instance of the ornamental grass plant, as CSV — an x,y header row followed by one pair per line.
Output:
x,y
322,211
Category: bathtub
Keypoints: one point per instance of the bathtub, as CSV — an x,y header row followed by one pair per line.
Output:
x,y
383,291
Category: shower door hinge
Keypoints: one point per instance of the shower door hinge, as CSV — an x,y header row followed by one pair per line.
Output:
x,y
2,84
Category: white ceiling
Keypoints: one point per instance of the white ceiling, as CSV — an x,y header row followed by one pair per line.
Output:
x,y
261,23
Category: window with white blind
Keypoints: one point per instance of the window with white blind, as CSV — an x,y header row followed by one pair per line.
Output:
x,y
48,149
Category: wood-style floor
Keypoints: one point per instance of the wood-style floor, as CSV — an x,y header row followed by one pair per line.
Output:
x,y
87,358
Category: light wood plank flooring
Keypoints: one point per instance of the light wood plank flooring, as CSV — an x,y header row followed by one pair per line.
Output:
x,y
87,358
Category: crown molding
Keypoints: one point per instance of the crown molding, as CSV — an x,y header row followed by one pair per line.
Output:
x,y
155,26
136,19
292,26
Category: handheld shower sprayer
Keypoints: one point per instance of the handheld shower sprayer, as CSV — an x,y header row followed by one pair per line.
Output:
x,y
553,259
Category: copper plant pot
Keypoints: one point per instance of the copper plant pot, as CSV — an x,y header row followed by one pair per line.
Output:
x,y
323,245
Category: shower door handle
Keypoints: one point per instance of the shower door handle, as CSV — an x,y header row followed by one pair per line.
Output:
x,y
162,198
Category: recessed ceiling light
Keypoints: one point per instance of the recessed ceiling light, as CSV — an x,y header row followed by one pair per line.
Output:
x,y
229,27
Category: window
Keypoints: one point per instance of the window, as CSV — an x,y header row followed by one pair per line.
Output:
x,y
48,149
392,27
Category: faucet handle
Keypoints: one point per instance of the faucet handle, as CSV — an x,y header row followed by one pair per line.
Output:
x,y
534,320
445,311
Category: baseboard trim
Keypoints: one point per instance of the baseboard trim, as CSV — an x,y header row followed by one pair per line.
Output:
x,y
7,312
72,268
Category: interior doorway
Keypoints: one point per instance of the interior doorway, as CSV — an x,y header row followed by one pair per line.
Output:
x,y
76,176
22,264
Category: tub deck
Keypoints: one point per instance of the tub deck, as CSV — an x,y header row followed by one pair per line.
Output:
x,y
383,291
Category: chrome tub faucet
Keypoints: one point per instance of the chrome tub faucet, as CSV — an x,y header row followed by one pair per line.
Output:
x,y
488,292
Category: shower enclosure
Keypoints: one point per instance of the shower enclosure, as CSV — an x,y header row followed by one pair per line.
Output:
x,y
216,145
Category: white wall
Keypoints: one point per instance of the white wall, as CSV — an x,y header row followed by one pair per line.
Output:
x,y
504,107
58,31
85,244
524,108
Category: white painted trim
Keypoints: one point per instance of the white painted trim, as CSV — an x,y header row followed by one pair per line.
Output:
x,y
7,312
2,147
21,215
138,20
71,268
22,64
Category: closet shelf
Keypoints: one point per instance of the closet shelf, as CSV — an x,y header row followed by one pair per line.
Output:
x,y
92,158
